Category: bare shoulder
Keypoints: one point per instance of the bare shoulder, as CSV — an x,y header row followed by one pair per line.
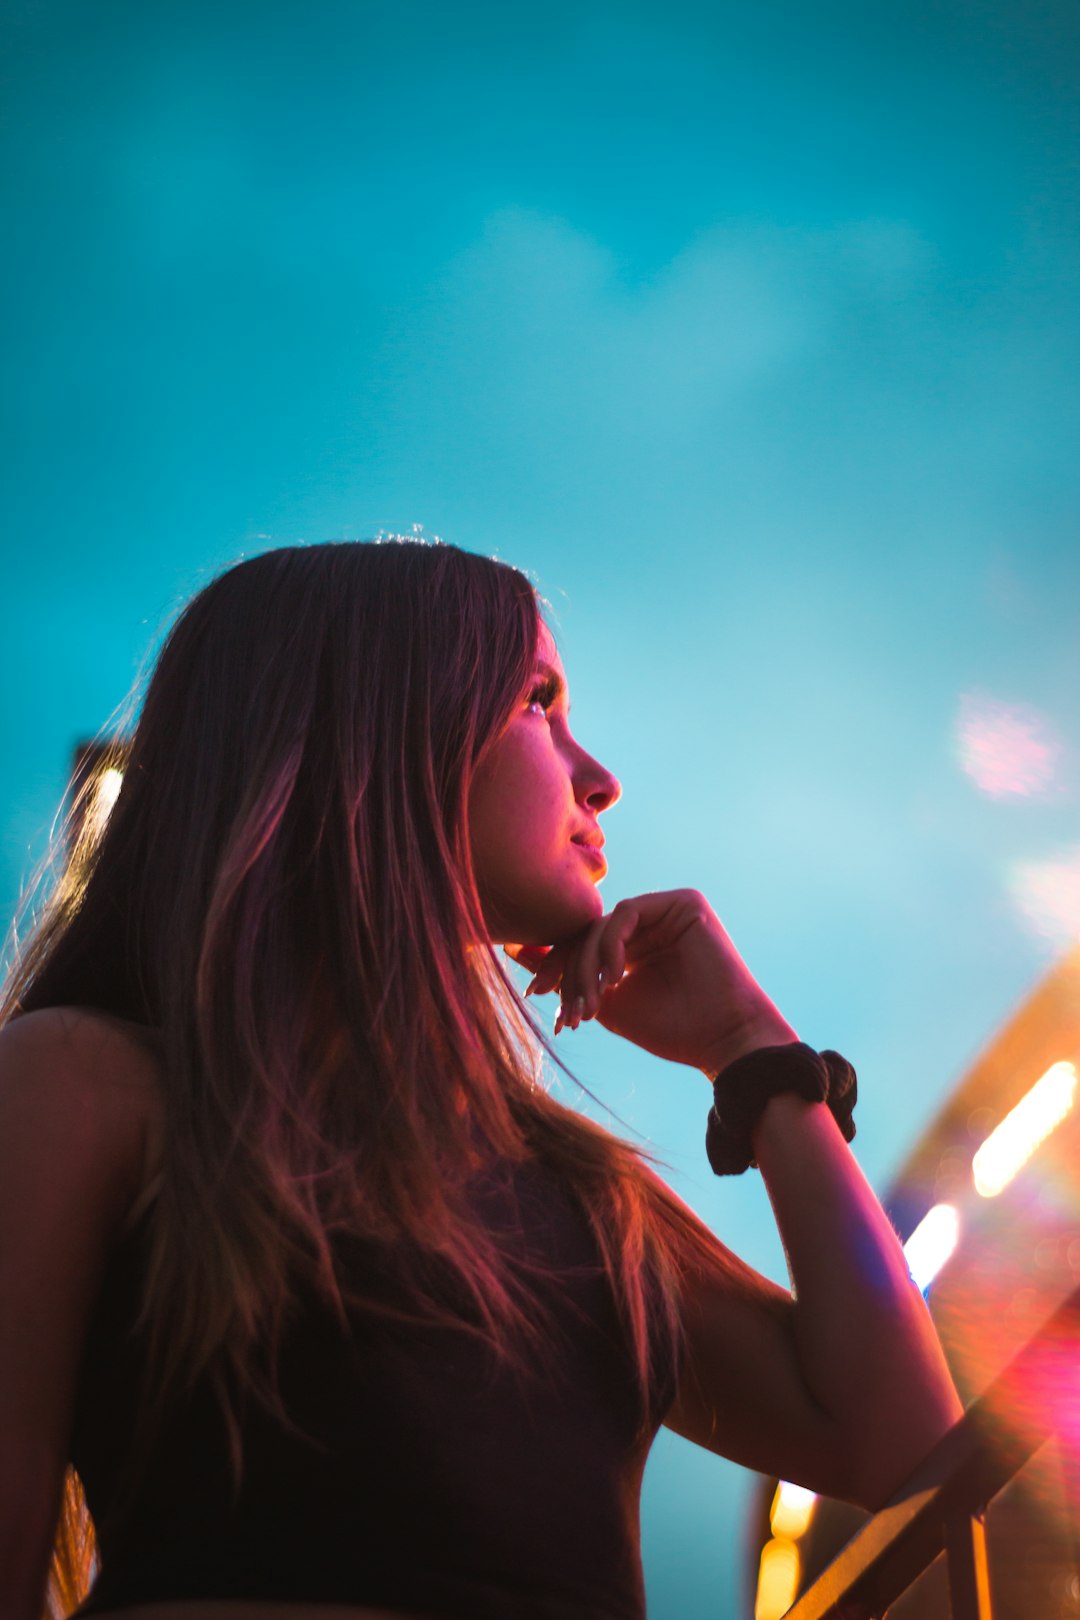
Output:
x,y
87,1059
80,1094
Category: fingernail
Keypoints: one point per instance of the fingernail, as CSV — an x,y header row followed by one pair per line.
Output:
x,y
559,1022
577,1010
529,988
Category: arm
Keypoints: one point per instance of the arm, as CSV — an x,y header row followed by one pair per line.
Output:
x,y
840,1385
73,1113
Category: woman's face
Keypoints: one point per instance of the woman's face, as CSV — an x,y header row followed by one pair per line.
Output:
x,y
533,811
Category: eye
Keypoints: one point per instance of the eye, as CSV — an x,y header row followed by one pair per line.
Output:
x,y
544,694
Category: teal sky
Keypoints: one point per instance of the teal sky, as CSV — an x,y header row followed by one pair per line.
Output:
x,y
752,332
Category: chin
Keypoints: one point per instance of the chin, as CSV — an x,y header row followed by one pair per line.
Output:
x,y
568,917
549,919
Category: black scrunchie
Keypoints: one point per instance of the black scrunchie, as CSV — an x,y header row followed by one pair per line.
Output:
x,y
741,1091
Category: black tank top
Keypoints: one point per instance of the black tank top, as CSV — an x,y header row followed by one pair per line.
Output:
x,y
434,1477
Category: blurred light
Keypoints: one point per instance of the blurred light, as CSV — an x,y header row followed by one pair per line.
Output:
x,y
778,1579
791,1509
931,1243
1047,893
108,791
1011,1145
1006,748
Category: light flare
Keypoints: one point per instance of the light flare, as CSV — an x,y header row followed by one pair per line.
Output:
x,y
791,1510
108,790
778,1579
1008,1148
931,1244
102,797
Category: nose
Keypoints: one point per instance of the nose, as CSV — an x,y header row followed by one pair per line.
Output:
x,y
598,788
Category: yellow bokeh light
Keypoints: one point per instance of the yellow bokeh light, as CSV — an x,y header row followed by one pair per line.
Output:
x,y
778,1579
1008,1148
791,1509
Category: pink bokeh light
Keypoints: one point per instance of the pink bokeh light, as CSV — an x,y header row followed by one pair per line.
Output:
x,y
1048,895
1007,749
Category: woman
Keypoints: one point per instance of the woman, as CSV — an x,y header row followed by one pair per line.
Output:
x,y
327,1300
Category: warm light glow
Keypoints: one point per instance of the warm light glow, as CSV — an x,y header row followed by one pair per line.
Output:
x,y
104,794
1011,1145
108,791
931,1243
778,1579
791,1509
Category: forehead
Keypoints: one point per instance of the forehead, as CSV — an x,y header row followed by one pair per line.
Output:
x,y
546,650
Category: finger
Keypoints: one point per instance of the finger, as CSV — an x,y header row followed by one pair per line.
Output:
x,y
548,976
615,970
601,957
612,960
581,993
598,966
571,997
528,956
622,925
533,958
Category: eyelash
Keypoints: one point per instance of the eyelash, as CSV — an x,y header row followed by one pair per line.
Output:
x,y
544,693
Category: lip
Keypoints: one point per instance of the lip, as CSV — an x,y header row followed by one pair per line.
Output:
x,y
592,853
590,840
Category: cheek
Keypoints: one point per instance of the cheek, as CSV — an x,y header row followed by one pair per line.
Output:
x,y
520,793
534,886
522,830
520,820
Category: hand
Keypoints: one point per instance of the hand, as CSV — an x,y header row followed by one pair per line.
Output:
x,y
661,971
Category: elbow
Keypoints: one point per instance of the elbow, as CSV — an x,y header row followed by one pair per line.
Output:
x,y
883,1463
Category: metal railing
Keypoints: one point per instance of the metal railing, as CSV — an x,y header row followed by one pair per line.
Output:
x,y
941,1507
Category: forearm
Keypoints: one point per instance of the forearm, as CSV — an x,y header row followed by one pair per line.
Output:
x,y
867,1349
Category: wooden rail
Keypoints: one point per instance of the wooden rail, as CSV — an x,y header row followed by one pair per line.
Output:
x,y
940,1508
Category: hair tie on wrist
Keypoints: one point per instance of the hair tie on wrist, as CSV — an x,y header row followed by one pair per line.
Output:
x,y
741,1091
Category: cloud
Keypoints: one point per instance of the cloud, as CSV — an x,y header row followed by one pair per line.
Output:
x,y
537,316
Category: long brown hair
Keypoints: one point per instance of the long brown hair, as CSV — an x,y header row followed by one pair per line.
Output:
x,y
284,893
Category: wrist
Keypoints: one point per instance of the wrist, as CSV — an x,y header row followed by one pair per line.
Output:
x,y
751,1037
782,1113
752,1086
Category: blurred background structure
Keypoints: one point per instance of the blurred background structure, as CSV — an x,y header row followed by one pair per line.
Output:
x,y
988,1204
751,331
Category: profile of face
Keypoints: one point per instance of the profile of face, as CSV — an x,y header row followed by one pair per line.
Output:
x,y
533,818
